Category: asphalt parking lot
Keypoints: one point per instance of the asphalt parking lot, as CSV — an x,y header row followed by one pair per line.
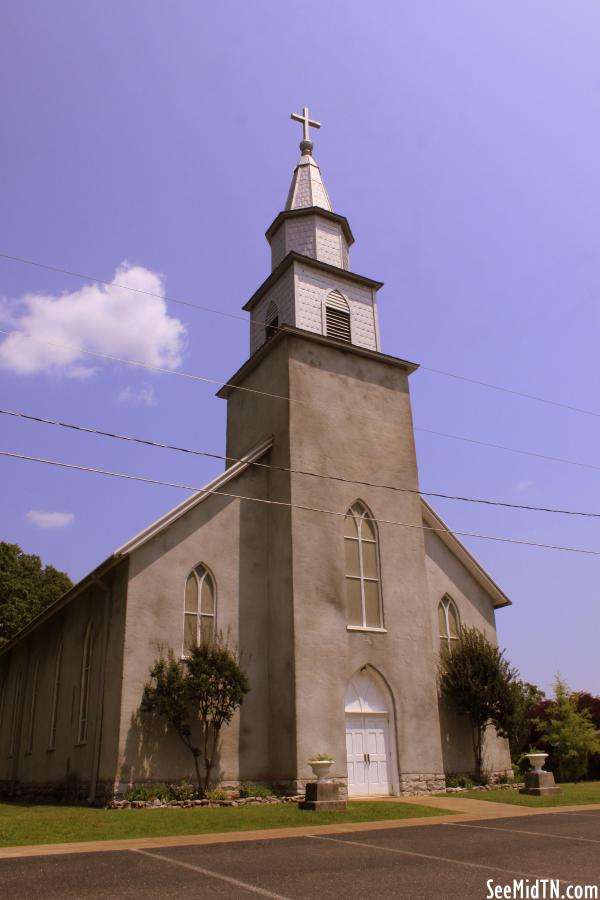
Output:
x,y
453,860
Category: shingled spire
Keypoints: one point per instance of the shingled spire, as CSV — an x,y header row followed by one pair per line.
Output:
x,y
307,188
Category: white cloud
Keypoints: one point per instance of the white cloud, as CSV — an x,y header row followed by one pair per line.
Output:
x,y
522,486
44,519
144,395
55,331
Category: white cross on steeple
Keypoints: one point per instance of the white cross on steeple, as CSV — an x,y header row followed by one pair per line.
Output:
x,y
306,123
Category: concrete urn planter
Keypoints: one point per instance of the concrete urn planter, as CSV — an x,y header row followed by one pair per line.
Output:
x,y
321,767
537,760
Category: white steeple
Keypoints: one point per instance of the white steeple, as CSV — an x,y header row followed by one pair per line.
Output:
x,y
311,286
307,188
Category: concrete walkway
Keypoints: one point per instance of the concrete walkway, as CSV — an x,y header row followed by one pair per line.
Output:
x,y
460,810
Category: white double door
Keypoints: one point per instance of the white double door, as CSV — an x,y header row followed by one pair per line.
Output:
x,y
368,754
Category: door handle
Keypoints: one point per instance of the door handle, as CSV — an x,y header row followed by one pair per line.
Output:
x,y
367,757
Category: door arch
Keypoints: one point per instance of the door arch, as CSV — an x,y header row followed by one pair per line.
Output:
x,y
369,733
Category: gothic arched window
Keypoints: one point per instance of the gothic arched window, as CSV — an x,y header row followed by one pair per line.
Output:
x,y
199,609
271,321
84,689
55,697
363,590
449,622
337,317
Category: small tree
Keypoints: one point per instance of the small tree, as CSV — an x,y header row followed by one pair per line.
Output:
x,y
197,696
476,678
569,732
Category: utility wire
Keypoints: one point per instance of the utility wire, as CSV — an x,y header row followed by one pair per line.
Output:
x,y
161,369
208,453
282,503
486,384
206,380
558,459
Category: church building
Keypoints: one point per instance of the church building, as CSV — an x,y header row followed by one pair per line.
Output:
x,y
313,549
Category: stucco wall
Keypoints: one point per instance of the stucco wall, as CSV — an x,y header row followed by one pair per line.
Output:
x,y
447,575
70,768
228,537
356,422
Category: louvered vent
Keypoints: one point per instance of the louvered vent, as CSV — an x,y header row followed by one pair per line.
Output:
x,y
338,324
272,321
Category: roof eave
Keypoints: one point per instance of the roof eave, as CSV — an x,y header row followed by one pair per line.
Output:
x,y
447,536
310,211
286,331
292,257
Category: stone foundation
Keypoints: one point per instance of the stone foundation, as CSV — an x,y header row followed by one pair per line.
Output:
x,y
421,783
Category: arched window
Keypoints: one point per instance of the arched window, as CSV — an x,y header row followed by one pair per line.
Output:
x,y
200,608
55,697
32,708
337,317
271,321
363,591
2,696
449,622
84,690
14,722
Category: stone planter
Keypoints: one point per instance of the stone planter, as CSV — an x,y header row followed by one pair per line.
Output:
x,y
321,768
537,760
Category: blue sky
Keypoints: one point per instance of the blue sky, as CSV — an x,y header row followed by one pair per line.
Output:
x,y
461,140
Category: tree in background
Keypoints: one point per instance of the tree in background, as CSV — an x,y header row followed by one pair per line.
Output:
x,y
26,588
527,699
476,678
569,732
197,696
587,701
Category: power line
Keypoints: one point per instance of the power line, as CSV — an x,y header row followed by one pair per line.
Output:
x,y
126,287
329,512
208,309
338,478
558,459
505,390
218,381
161,369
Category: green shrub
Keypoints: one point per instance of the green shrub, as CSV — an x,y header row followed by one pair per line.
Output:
x,y
182,790
454,780
148,792
248,789
217,794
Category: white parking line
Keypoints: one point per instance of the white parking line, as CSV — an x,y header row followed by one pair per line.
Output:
x,y
587,814
239,884
561,837
444,859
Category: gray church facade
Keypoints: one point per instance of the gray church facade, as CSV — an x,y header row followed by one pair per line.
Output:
x,y
313,549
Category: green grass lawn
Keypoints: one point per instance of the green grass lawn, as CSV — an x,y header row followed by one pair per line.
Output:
x,y
580,793
43,824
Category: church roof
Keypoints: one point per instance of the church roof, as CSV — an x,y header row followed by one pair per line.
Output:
x,y
307,187
213,487
437,525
